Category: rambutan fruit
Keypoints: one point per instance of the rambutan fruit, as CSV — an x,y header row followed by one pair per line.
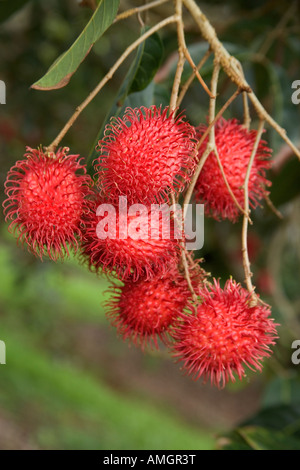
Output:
x,y
145,155
144,311
129,244
223,334
234,144
46,200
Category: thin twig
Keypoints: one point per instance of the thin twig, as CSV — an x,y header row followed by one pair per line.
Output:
x,y
108,76
227,62
191,78
140,20
212,101
210,144
187,273
247,118
217,117
246,261
181,39
230,66
184,258
212,139
181,58
188,195
228,186
273,208
208,149
133,11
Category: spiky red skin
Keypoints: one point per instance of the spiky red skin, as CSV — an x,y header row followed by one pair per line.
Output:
x,y
234,144
46,200
144,311
145,155
223,335
125,257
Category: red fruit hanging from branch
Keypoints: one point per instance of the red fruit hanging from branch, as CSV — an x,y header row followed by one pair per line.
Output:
x,y
234,144
47,200
129,244
223,334
144,311
145,155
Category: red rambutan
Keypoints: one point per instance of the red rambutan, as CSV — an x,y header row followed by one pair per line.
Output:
x,y
129,244
144,311
223,334
234,144
46,201
145,155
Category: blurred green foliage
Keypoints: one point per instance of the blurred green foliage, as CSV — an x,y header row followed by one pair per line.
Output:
x,y
45,386
68,382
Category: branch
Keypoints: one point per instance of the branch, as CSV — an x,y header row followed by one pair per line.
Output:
x,y
247,118
184,257
209,148
182,43
227,62
210,144
212,139
133,11
228,186
246,262
273,208
187,272
232,69
107,77
181,57
189,81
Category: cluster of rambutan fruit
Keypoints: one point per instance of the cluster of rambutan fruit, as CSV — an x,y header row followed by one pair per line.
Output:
x,y
148,157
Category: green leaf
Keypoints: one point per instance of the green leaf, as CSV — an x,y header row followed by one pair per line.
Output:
x,y
137,88
140,98
272,428
66,65
141,73
280,418
259,438
147,64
